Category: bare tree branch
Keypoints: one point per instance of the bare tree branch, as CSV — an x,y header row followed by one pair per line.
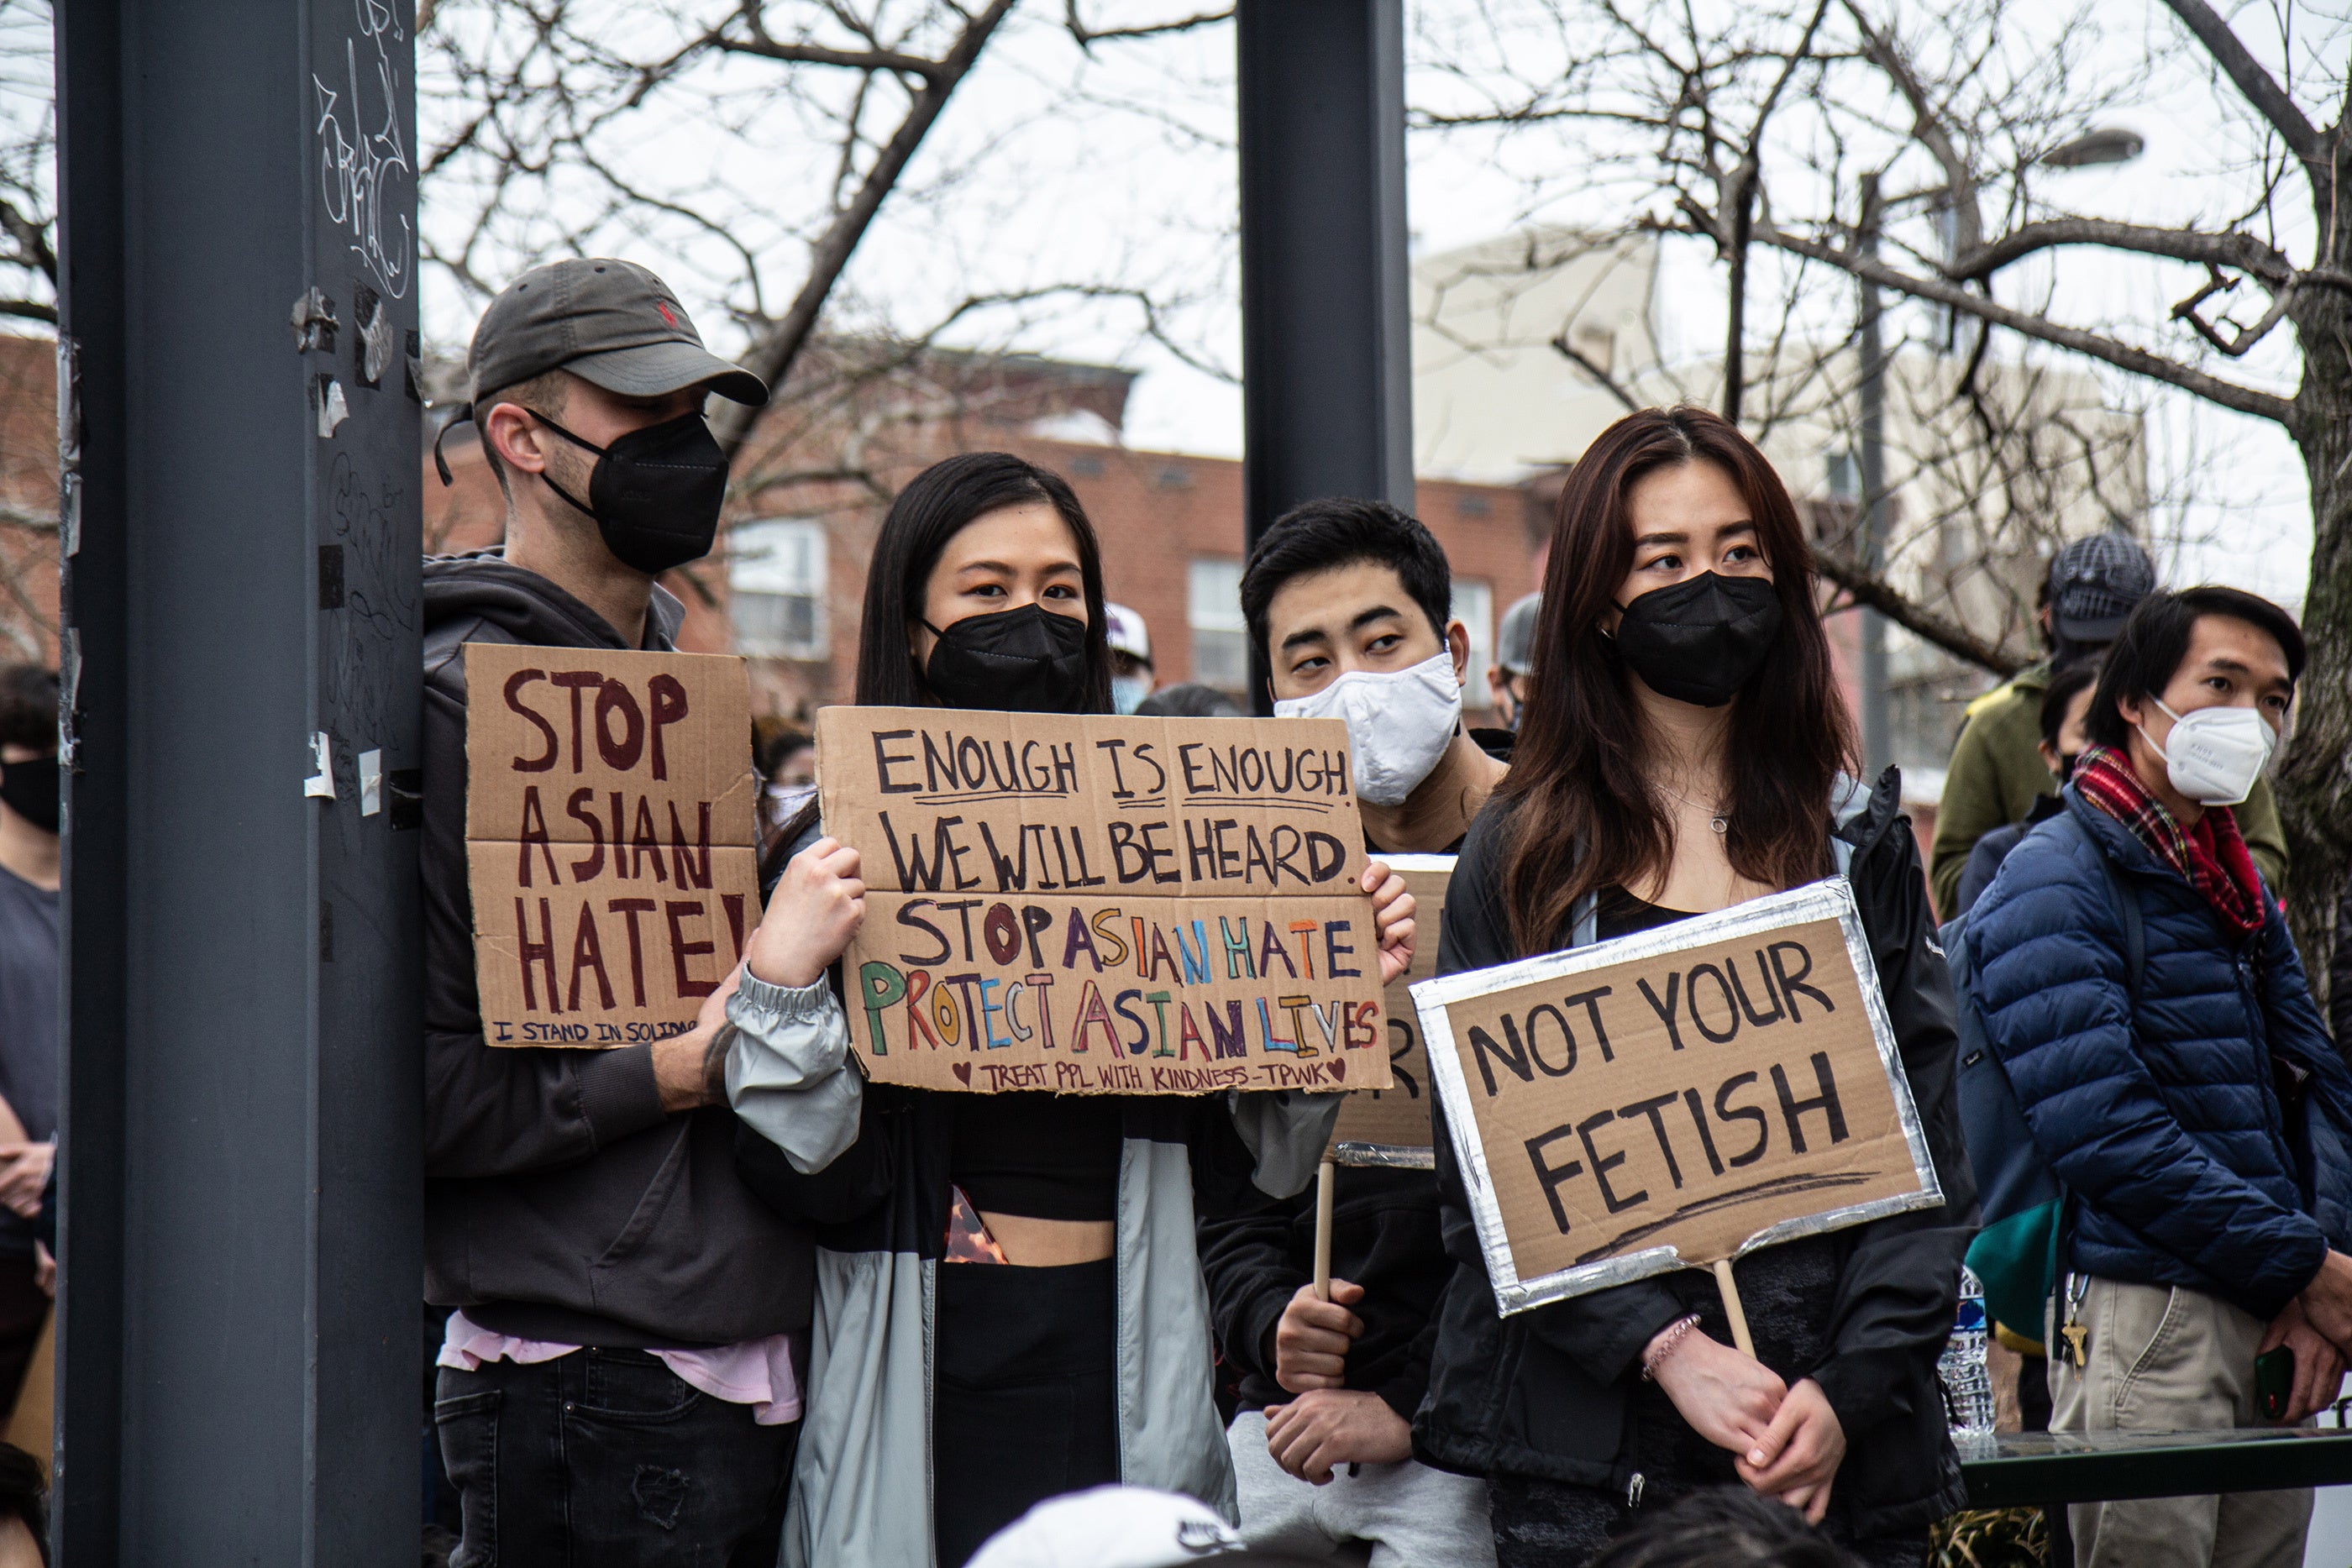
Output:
x,y
1862,588
2259,86
2232,249
2123,356
1087,36
1598,372
33,248
775,344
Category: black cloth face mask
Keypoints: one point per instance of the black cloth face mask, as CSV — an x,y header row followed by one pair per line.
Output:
x,y
1699,639
1028,660
655,493
30,789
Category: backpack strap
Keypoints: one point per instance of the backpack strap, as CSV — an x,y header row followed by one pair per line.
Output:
x,y
2126,909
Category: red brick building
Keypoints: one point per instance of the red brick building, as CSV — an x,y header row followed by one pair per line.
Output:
x,y
28,499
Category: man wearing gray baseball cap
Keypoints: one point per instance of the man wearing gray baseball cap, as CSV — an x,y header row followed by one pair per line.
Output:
x,y
1996,773
617,1378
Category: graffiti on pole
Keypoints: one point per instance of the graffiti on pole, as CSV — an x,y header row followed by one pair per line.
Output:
x,y
365,178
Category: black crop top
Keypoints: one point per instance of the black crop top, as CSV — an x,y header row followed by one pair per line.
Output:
x,y
1046,1156
1620,913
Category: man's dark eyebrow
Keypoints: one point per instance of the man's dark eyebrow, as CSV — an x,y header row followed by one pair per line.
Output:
x,y
1376,613
2240,667
1300,639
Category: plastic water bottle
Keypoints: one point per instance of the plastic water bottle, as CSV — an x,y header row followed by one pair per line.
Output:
x,y
1967,1382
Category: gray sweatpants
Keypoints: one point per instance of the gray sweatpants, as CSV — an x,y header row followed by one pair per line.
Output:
x,y
1410,1515
2164,1359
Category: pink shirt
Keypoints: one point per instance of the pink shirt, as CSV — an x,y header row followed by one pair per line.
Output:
x,y
760,1373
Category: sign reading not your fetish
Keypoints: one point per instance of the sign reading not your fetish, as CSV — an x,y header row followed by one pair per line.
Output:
x,y
1675,1098
1104,906
608,839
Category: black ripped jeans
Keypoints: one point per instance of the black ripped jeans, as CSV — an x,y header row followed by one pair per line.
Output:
x,y
607,1458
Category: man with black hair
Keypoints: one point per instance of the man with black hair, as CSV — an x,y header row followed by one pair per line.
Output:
x,y
1351,605
1722,1527
28,1006
2135,976
1995,776
2065,702
616,1380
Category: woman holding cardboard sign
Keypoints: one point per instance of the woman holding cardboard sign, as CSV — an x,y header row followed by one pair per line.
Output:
x,y
1010,1304
1686,750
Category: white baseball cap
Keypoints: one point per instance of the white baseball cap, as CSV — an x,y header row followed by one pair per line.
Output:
x,y
1127,632
1118,1527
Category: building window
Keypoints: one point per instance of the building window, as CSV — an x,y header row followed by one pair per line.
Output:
x,y
1174,477
776,585
1473,606
1219,636
1473,505
1842,476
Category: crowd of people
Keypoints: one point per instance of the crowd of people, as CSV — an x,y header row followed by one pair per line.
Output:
x,y
720,1300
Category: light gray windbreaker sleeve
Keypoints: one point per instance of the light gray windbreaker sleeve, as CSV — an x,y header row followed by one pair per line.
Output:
x,y
1285,1132
789,1073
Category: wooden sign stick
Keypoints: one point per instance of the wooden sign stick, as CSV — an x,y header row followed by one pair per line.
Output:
x,y
1323,1176
1733,1309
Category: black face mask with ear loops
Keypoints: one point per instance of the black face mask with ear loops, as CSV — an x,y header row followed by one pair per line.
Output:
x,y
31,789
1699,639
1028,660
655,493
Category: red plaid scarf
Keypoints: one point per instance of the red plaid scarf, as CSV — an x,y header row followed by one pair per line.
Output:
x,y
2212,856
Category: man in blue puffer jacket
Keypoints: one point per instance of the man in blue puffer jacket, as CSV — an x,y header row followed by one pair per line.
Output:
x,y
2193,1124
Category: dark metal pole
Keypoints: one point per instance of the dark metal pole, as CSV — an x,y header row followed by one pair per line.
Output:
x,y
1877,741
241,1192
1327,375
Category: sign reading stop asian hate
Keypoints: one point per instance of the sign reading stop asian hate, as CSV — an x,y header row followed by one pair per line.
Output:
x,y
1104,905
609,839
1677,1097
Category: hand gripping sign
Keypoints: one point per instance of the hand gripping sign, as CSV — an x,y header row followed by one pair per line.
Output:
x,y
609,841
1390,1126
1676,1098
1104,905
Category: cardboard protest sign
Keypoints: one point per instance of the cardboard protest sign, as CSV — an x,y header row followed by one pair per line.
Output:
x,y
609,843
1102,904
1391,1126
1675,1098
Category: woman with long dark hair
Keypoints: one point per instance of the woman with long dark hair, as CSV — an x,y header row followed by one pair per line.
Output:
x,y
1685,749
1008,1300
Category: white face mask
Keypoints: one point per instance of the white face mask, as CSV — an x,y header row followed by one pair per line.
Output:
x,y
1127,692
1398,722
2215,754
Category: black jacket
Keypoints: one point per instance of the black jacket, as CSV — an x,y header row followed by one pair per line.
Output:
x,y
1385,1236
562,1203
1552,1392
1984,861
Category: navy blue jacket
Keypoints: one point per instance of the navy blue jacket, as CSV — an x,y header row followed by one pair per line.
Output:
x,y
2164,1119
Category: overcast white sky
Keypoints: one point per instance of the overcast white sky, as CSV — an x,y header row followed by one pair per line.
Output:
x,y
1053,166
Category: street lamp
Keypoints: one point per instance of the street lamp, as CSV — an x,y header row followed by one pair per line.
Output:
x,y
2110,144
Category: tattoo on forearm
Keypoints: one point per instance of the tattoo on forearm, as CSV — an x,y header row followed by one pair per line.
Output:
x,y
714,1064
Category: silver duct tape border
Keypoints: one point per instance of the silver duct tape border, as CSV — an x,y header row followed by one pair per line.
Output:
x,y
1384,1157
1832,899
